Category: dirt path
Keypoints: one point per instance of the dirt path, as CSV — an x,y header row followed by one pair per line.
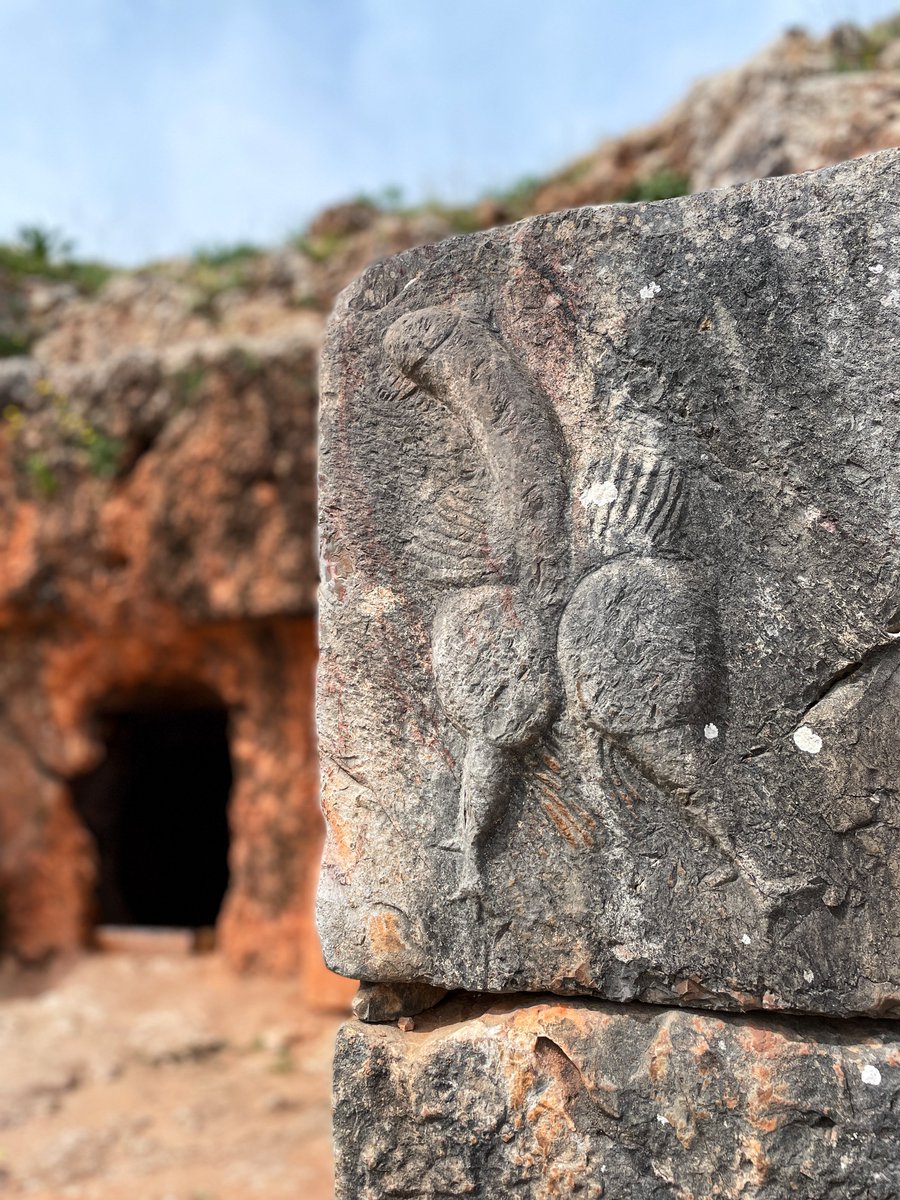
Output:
x,y
162,1077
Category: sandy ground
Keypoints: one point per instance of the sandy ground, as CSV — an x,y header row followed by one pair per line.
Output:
x,y
162,1076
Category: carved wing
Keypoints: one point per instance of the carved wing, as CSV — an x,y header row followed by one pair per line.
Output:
x,y
428,488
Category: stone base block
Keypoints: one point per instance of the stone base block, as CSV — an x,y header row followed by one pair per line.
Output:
x,y
538,1098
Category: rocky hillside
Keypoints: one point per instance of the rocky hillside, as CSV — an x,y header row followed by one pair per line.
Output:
x,y
800,104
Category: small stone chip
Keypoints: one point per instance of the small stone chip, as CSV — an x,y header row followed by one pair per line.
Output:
x,y
406,1024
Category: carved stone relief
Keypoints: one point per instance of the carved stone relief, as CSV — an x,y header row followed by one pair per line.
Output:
x,y
610,584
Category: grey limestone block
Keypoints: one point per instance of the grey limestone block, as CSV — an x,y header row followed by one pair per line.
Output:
x,y
544,1098
609,700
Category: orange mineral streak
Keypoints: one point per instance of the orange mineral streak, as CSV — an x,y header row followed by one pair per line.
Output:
x,y
346,837
384,935
521,1082
659,1054
753,1151
760,1041
769,1053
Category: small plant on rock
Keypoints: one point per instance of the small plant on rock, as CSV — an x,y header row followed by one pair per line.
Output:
x,y
661,185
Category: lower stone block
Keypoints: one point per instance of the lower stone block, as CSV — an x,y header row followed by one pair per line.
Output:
x,y
539,1098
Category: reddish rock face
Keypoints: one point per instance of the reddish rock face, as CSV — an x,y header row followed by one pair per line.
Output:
x,y
158,556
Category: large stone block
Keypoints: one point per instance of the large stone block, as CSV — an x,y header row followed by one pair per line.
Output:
x,y
610,687
584,1098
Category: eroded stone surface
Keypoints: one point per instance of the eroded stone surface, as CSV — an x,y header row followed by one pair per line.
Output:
x,y
548,1099
610,689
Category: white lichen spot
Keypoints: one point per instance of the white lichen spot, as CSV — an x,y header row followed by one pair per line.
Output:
x,y
807,740
599,495
722,1045
710,732
665,1120
379,600
876,268
892,299
870,1075
652,289
808,976
745,938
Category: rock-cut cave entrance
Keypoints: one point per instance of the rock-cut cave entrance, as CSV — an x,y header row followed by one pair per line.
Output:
x,y
157,808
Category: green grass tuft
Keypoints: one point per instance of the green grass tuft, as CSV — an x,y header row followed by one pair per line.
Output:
x,y
41,476
41,253
13,344
226,256
661,185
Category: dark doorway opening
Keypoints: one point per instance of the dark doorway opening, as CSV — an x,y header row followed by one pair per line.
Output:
x,y
157,807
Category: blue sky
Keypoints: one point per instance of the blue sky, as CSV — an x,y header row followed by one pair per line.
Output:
x,y
146,128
